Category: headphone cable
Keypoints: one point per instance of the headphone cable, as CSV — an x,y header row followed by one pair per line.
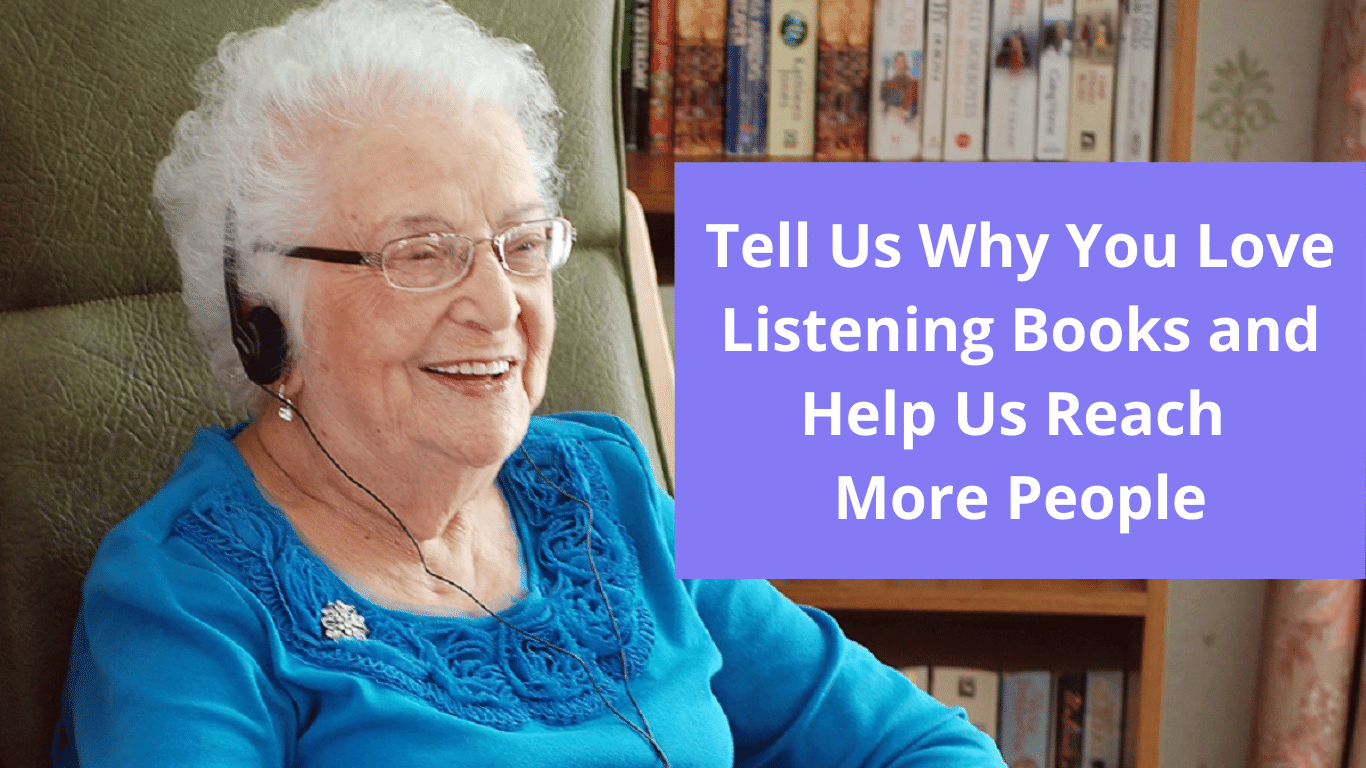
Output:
x,y
646,733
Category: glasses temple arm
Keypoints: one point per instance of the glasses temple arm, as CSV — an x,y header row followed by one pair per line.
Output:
x,y
331,255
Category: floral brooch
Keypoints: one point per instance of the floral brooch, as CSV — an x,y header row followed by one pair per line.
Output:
x,y
342,622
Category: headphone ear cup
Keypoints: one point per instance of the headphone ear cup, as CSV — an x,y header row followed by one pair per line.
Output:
x,y
261,345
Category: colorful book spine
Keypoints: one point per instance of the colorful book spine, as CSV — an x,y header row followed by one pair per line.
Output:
x,y
1134,76
1070,709
792,78
661,76
635,81
842,79
747,78
1103,719
898,50
1011,111
1025,701
965,101
977,691
700,78
936,78
1090,115
1055,80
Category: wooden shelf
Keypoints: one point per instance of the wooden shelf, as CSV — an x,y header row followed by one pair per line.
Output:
x,y
1057,596
651,177
1007,624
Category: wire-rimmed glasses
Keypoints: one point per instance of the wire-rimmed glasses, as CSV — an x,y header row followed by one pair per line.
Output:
x,y
439,260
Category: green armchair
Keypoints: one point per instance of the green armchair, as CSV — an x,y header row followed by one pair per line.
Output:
x,y
104,383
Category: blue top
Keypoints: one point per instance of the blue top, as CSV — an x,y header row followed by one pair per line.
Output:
x,y
201,642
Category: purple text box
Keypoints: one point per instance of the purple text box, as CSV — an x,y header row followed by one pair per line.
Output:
x,y
1279,492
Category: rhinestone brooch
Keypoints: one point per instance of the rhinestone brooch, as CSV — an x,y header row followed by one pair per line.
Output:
x,y
342,622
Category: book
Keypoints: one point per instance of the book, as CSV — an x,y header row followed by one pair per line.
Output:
x,y
1055,80
662,76
747,77
1070,708
635,77
1133,690
936,74
1090,113
1014,90
918,675
1135,72
977,691
966,80
898,50
1025,702
792,78
1102,719
842,79
699,77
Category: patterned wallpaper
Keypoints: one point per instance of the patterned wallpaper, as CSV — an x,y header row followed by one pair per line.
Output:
x,y
1257,81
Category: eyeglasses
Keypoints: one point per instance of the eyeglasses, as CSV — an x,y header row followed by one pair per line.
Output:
x,y
439,260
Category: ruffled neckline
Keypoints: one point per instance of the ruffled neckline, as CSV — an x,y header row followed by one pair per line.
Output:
x,y
475,668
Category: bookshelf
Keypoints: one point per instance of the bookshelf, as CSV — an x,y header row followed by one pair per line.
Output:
x,y
1006,624
1009,624
651,176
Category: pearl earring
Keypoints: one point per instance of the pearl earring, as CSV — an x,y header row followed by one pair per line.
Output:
x,y
286,408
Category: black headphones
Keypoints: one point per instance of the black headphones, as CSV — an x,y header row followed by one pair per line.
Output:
x,y
259,335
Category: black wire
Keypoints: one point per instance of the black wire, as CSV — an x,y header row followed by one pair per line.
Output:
x,y
647,733
602,590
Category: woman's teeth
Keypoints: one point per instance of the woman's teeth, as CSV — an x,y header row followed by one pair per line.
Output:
x,y
489,368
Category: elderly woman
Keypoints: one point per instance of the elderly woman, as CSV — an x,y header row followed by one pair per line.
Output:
x,y
394,563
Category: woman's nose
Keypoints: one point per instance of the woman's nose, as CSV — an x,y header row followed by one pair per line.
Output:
x,y
486,297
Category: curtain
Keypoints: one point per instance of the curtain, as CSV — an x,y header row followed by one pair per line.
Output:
x,y
1305,687
1341,129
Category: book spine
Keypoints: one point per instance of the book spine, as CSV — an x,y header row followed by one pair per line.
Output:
x,y
792,78
1055,80
747,78
661,76
1025,703
700,78
898,53
1070,708
977,691
1102,719
1133,692
965,97
1012,112
635,81
842,81
936,78
1090,115
1134,76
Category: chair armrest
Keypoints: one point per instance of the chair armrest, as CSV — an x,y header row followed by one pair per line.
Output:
x,y
659,361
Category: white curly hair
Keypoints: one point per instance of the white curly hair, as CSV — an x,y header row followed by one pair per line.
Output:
x,y
353,61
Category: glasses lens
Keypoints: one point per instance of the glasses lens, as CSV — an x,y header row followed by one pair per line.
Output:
x,y
427,262
527,248
561,240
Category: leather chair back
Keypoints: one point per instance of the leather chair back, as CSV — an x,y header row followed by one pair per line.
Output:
x,y
104,384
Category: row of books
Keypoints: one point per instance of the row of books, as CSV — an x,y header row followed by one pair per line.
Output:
x,y
1043,719
892,79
